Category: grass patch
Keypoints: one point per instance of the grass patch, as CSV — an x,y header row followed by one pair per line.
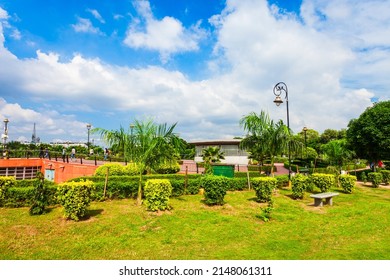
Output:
x,y
355,227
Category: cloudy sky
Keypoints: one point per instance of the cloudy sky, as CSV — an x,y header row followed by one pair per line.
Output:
x,y
203,64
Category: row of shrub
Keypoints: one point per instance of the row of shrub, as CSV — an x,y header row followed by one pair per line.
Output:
x,y
321,181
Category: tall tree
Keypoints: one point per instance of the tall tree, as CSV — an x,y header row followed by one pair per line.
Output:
x,y
369,135
337,152
266,138
149,145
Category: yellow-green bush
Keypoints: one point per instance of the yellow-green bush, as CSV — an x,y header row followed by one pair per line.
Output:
x,y
5,184
323,181
264,187
114,169
75,197
157,193
347,182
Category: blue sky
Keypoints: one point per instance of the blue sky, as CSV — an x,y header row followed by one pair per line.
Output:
x,y
203,64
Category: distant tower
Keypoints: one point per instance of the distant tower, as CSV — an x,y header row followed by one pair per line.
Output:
x,y
34,136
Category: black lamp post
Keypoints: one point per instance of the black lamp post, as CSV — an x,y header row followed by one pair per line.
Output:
x,y
280,88
88,128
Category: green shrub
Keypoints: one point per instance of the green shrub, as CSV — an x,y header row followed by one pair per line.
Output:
x,y
237,184
364,177
40,200
299,185
115,169
214,189
282,180
323,181
347,182
131,169
265,214
375,178
385,176
157,193
264,187
168,168
75,197
5,184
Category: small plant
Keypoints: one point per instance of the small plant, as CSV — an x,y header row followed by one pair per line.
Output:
x,y
364,177
214,189
385,176
40,196
157,193
168,168
265,214
264,187
347,182
375,178
300,183
75,197
323,181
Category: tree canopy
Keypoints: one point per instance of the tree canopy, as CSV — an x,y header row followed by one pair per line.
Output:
x,y
369,135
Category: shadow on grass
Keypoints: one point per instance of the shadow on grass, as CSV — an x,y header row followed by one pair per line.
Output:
x,y
91,213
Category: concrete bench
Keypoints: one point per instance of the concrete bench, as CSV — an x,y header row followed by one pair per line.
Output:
x,y
318,198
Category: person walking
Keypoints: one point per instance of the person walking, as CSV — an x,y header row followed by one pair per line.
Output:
x,y
73,154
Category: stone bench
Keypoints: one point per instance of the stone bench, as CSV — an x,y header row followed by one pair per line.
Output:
x,y
318,198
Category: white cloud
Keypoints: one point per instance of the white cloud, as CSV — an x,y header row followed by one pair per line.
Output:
x,y
97,15
48,122
329,80
3,14
84,25
167,36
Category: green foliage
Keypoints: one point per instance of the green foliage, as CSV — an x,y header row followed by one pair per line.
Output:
x,y
364,177
40,200
131,169
323,181
299,185
265,214
114,169
264,187
168,168
386,176
5,184
375,178
282,181
369,134
347,182
214,189
157,193
75,197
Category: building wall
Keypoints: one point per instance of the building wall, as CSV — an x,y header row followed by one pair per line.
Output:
x,y
62,171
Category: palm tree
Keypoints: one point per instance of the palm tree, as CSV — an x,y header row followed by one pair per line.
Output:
x,y
150,145
337,152
211,155
267,138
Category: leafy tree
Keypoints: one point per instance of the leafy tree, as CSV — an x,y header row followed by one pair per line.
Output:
x,y
149,146
337,152
368,135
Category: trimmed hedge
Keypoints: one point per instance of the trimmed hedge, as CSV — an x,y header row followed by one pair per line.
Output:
x,y
5,184
375,178
214,189
323,181
347,182
157,193
264,187
385,176
300,183
75,197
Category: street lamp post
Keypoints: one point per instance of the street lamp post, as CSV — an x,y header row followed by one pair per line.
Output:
x,y
305,131
280,88
5,137
88,128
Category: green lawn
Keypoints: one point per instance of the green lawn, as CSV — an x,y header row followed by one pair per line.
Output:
x,y
357,226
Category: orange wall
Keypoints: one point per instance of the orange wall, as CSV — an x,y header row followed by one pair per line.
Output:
x,y
62,171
